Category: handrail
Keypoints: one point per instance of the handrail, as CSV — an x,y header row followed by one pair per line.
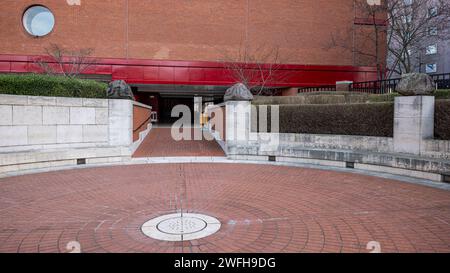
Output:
x,y
378,87
389,85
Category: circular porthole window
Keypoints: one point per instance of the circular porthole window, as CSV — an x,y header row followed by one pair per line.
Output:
x,y
38,21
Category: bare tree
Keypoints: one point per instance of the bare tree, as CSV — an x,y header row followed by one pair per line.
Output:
x,y
69,63
397,26
256,67
413,25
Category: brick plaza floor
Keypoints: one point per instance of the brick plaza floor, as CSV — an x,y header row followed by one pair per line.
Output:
x,y
262,208
159,143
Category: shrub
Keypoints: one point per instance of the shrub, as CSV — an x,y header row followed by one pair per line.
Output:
x,y
337,98
52,86
313,98
438,94
383,97
442,94
374,119
442,120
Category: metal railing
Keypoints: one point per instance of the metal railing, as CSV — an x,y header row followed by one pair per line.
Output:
x,y
375,87
154,117
442,80
378,87
317,88
389,86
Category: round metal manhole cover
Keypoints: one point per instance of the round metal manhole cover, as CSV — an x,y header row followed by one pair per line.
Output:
x,y
181,227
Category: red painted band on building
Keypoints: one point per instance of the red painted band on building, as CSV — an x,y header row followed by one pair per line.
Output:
x,y
198,72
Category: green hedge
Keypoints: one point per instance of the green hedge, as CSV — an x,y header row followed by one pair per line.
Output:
x,y
313,98
52,86
442,120
438,94
374,119
383,98
336,98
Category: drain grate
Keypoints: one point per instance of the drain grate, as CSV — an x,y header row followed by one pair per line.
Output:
x,y
181,227
446,178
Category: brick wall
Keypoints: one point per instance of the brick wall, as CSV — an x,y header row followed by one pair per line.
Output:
x,y
187,29
141,119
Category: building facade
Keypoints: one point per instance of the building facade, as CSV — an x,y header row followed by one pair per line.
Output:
x,y
421,38
433,55
177,48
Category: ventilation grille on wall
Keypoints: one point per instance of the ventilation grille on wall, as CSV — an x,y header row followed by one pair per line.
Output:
x,y
446,178
350,165
81,161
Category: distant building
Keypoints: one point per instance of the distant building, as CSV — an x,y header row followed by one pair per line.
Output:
x,y
432,54
433,57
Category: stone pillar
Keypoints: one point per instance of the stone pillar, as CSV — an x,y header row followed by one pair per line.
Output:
x,y
238,123
343,85
238,115
120,122
413,123
198,105
289,92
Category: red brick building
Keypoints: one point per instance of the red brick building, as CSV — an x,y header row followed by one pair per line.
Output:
x,y
174,48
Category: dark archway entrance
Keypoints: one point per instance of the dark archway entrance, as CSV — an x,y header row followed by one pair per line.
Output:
x,y
163,98
166,106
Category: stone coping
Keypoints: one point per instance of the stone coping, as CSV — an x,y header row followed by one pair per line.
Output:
x,y
400,164
136,103
397,160
245,160
344,82
9,159
7,99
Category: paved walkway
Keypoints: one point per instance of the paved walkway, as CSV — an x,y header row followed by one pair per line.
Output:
x,y
159,143
262,208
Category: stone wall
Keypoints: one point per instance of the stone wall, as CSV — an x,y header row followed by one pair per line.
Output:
x,y
411,152
436,149
369,153
50,131
28,122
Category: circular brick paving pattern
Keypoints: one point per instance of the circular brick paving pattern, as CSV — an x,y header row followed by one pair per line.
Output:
x,y
261,208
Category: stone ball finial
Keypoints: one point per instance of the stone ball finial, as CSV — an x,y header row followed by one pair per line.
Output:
x,y
416,84
119,90
238,92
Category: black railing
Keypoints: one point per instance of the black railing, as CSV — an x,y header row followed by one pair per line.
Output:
x,y
378,87
375,87
389,86
442,80
317,89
